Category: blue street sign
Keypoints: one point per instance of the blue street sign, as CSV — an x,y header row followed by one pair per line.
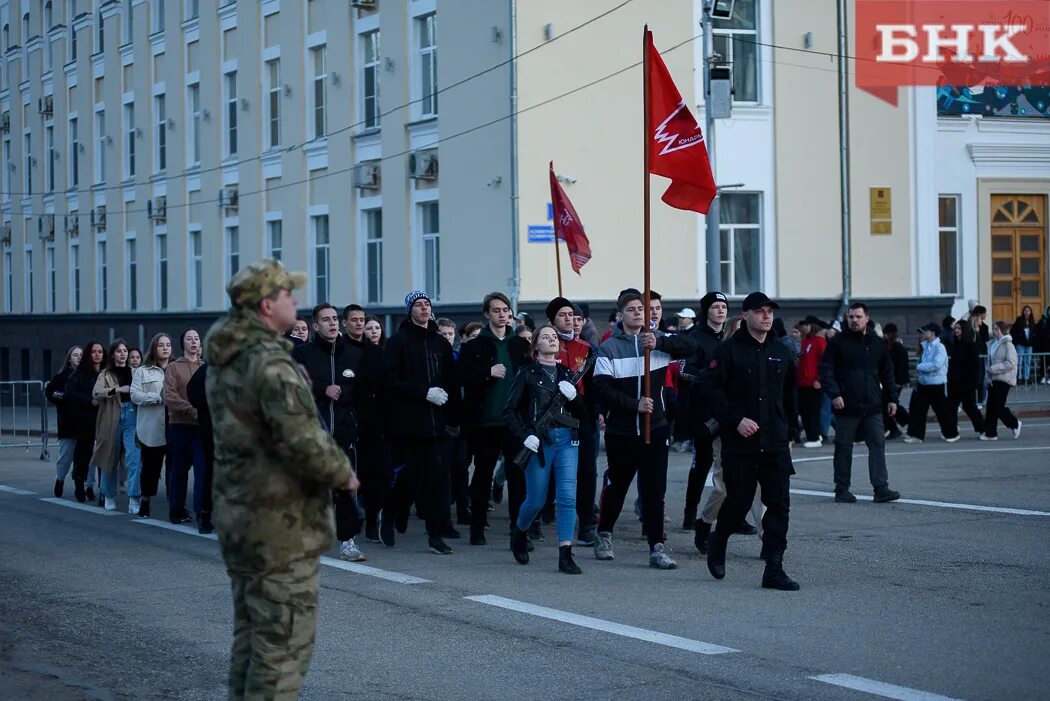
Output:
x,y
541,233
550,211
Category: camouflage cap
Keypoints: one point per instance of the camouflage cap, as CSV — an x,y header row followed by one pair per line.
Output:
x,y
260,280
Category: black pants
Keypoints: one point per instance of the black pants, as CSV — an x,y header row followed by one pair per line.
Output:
x,y
809,410
683,422
459,458
373,471
488,443
82,451
924,397
416,462
742,473
968,400
152,465
629,455
997,409
899,420
704,458
586,473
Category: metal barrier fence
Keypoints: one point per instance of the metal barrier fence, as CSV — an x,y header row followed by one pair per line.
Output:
x,y
1033,379
23,416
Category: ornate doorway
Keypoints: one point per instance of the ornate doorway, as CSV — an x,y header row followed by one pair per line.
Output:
x,y
1018,254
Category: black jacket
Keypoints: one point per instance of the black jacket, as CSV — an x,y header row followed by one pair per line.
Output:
x,y
858,368
531,394
340,364
707,342
1017,331
56,393
964,366
369,407
82,411
196,396
901,369
414,360
473,371
756,381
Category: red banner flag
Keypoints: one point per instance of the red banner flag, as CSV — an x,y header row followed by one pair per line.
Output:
x,y
676,144
568,227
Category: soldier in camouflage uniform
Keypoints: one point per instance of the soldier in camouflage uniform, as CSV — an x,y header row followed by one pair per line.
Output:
x,y
275,468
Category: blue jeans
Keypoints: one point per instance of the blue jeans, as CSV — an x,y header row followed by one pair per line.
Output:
x,y
562,456
1024,363
66,446
132,457
184,451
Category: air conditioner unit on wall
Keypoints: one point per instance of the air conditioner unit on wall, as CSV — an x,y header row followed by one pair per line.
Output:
x,y
228,198
423,165
5,122
73,225
366,176
46,105
5,234
157,208
98,218
364,4
47,227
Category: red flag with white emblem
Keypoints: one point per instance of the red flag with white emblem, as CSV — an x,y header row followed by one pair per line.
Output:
x,y
568,227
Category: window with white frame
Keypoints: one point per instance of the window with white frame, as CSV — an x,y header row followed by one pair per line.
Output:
x,y
101,275
319,96
51,281
131,274
157,16
100,146
948,242
74,154
4,170
160,133
275,239
49,20
427,31
74,276
49,146
129,140
195,271
273,103
322,258
193,135
736,41
29,280
230,82
127,22
160,250
741,239
193,9
100,33
374,255
430,229
370,80
72,33
9,279
28,143
233,252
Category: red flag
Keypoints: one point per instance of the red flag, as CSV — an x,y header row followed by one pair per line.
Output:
x,y
676,146
568,227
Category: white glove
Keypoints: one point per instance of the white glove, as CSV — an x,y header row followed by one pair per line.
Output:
x,y
567,389
437,396
532,443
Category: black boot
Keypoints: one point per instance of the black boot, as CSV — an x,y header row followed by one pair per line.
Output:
x,y
477,528
144,508
78,491
703,530
716,555
90,494
204,525
774,577
565,562
60,487
519,545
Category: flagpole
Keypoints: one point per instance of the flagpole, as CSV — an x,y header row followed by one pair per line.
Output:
x,y
557,261
646,389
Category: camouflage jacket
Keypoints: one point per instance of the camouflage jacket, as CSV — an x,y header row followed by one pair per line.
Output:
x,y
275,466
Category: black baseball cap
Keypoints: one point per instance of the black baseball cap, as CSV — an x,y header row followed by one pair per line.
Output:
x,y
889,328
814,321
757,300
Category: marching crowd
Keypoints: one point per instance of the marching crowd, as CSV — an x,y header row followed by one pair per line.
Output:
x,y
438,416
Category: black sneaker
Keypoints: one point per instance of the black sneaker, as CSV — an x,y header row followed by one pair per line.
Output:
x,y
60,486
450,532
846,497
745,528
587,537
535,534
439,546
497,493
372,532
884,495
204,524
144,508
90,494
78,492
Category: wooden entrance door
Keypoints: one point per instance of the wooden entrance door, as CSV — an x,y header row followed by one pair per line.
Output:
x,y
1018,254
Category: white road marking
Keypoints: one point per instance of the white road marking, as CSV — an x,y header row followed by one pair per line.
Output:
x,y
372,571
938,504
92,508
877,688
177,527
15,490
859,456
648,636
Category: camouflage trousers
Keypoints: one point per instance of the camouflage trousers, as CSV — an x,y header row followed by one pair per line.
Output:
x,y
274,621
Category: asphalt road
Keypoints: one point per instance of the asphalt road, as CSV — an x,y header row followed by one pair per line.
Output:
x,y
897,601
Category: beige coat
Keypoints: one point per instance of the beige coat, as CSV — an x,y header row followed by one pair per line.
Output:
x,y
1002,365
107,425
147,386
176,377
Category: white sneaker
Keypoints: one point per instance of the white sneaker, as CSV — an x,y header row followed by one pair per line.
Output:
x,y
912,439
133,505
812,444
111,504
351,552
1017,431
661,559
988,438
951,440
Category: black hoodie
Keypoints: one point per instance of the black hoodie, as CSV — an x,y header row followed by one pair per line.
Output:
x,y
337,363
414,360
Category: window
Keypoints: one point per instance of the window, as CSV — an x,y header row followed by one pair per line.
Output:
x,y
127,22
428,64
29,164
7,36
161,249
74,276
5,170
321,258
102,276
374,255
25,28
431,250
29,281
948,243
233,252
273,103
231,113
49,145
9,280
51,280
48,22
319,92
131,278
100,33
370,80
275,238
193,9
129,140
735,40
100,148
72,42
157,17
160,133
195,283
49,16
193,137
741,239
74,154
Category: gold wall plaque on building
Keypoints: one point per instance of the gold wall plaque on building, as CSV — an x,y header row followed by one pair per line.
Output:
x,y
881,211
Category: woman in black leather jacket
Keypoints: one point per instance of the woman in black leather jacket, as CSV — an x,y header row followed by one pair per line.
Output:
x,y
535,387
83,408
